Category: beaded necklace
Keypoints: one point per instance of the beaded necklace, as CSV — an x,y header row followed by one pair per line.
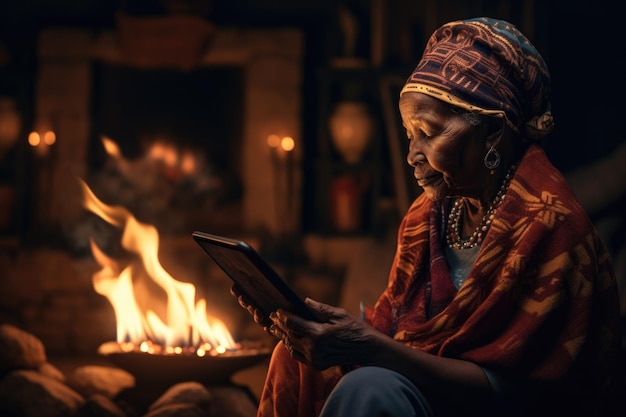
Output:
x,y
453,227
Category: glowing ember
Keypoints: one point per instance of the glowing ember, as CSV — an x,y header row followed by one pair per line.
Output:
x,y
183,326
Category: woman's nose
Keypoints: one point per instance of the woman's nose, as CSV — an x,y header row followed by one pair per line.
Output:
x,y
409,159
414,157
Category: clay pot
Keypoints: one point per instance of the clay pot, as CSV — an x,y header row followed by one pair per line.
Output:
x,y
351,129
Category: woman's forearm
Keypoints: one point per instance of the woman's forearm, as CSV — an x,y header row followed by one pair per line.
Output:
x,y
425,370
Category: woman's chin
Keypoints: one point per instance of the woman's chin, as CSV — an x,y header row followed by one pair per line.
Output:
x,y
435,193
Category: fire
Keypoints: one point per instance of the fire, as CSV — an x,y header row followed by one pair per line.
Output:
x,y
184,324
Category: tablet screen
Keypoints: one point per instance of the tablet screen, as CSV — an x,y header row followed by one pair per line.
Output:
x,y
253,274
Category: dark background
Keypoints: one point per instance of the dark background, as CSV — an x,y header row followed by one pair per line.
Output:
x,y
581,40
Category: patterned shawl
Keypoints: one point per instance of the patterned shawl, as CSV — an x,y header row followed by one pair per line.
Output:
x,y
540,302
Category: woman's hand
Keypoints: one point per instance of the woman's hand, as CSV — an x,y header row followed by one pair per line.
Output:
x,y
260,317
344,340
339,340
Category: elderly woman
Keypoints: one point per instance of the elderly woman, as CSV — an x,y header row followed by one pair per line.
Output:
x,y
501,298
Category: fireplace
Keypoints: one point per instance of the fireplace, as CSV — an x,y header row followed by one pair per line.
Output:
x,y
87,89
47,289
178,136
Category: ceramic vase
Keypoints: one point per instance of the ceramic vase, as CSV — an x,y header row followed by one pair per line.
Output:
x,y
351,128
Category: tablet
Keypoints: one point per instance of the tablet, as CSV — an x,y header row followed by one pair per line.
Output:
x,y
253,274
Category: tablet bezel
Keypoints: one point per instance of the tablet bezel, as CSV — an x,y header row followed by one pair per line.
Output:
x,y
261,283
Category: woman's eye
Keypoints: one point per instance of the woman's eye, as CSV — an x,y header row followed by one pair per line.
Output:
x,y
419,134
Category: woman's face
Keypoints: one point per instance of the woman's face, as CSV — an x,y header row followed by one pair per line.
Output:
x,y
444,149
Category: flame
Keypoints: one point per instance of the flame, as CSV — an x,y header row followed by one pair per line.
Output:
x,y
111,147
184,325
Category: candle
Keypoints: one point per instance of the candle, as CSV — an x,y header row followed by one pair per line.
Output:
x,y
288,144
273,141
42,144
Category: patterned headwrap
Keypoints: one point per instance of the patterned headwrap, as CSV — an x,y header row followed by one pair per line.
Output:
x,y
487,66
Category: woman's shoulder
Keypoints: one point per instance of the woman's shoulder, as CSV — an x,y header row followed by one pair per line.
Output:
x,y
537,182
540,196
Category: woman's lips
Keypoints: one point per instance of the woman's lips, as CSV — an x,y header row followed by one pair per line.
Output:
x,y
422,182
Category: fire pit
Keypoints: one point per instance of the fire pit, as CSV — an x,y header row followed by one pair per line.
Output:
x,y
164,332
167,369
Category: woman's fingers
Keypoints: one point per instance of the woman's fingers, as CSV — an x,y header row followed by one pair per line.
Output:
x,y
325,312
258,315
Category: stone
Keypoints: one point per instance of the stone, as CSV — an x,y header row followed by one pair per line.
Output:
x,y
99,405
20,349
51,371
28,393
184,393
177,410
232,401
95,379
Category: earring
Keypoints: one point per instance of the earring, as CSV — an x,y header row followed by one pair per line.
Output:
x,y
492,159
